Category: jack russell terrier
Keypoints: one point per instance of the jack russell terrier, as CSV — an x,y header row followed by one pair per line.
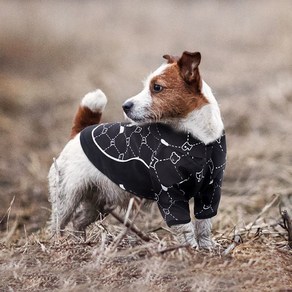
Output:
x,y
172,149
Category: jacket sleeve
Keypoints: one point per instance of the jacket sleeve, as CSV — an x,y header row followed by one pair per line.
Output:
x,y
207,201
169,178
173,205
208,198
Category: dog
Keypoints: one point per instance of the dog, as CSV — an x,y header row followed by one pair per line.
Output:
x,y
171,148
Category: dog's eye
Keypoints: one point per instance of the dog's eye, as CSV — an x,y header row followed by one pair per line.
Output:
x,y
157,88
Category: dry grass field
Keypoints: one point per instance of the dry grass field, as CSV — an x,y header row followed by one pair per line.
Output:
x,y
53,52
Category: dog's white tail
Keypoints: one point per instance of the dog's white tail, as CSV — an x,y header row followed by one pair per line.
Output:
x,y
89,111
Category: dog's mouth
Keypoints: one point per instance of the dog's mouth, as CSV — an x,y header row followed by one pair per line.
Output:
x,y
138,120
135,119
138,113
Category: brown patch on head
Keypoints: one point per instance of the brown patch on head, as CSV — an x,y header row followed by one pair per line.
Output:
x,y
180,88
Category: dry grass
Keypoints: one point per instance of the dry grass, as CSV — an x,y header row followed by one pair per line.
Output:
x,y
52,53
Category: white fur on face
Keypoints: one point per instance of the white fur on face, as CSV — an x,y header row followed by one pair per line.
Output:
x,y
143,100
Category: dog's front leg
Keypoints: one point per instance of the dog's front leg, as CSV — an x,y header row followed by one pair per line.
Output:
x,y
185,234
203,233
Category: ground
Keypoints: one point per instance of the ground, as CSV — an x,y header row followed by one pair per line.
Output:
x,y
52,53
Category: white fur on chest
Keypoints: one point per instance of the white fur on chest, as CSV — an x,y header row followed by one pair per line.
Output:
x,y
205,123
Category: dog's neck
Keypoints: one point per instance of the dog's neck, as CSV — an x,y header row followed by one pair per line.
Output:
x,y
206,123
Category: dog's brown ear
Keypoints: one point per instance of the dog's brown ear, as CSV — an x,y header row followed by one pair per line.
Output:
x,y
171,59
188,64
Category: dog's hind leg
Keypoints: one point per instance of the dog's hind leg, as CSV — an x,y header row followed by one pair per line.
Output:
x,y
64,197
90,210
53,178
73,180
67,207
68,184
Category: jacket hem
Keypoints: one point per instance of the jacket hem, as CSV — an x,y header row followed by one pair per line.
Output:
x,y
207,216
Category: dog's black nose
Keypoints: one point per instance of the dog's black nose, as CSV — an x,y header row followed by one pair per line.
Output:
x,y
127,106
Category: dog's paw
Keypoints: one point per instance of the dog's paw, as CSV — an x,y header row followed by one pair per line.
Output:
x,y
203,234
185,234
207,243
95,101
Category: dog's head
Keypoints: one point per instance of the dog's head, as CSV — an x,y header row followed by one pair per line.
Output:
x,y
171,92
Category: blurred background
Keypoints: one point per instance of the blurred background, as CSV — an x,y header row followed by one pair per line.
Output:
x,y
53,52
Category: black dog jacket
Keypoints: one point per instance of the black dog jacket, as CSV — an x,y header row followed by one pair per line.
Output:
x,y
154,161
